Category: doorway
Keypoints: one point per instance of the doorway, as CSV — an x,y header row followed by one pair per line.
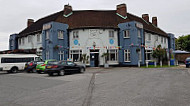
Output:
x,y
94,58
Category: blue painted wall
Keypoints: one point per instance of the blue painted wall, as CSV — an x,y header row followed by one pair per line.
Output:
x,y
49,44
171,42
126,43
13,42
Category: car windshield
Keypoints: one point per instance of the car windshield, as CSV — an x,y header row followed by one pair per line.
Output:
x,y
41,62
53,62
70,63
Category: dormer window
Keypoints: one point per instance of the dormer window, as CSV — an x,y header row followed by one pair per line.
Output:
x,y
126,34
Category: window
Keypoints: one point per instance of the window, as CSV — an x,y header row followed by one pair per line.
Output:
x,y
60,34
29,38
111,34
47,55
148,54
23,41
161,39
19,41
38,38
126,34
165,40
61,55
139,33
47,34
127,56
76,55
149,36
156,37
112,55
16,60
75,34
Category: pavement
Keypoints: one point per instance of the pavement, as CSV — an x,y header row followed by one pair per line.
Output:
x,y
118,86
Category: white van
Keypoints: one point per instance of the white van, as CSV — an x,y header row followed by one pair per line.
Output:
x,y
13,63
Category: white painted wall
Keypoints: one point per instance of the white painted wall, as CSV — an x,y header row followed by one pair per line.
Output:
x,y
86,39
153,43
34,44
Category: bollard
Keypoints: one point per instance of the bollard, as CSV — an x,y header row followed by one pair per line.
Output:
x,y
139,64
160,63
169,63
155,65
146,63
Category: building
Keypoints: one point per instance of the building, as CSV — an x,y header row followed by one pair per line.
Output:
x,y
68,34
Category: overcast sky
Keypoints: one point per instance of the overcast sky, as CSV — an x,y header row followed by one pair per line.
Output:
x,y
173,15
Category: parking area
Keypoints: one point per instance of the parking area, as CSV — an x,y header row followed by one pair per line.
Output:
x,y
118,86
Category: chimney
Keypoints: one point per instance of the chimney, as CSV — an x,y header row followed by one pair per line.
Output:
x,y
145,17
67,10
30,22
122,10
154,21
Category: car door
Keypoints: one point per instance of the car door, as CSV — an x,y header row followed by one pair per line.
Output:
x,y
71,66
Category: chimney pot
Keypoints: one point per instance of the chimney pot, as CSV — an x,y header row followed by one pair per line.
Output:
x,y
67,9
154,21
122,9
30,22
146,17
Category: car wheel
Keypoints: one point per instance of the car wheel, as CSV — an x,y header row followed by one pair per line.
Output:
x,y
39,72
62,72
33,70
14,70
50,74
82,70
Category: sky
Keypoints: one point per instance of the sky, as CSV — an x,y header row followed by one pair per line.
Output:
x,y
173,15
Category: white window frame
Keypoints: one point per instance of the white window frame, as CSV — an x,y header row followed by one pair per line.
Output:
x,y
128,52
110,51
165,40
161,39
156,37
47,34
111,34
148,52
29,38
75,34
79,52
60,34
139,33
126,34
61,54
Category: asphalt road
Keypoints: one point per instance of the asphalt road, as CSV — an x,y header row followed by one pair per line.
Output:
x,y
98,87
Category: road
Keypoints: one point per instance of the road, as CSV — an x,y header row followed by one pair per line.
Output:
x,y
121,86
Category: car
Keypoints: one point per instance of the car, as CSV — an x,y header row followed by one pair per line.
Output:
x,y
187,62
31,66
41,67
63,67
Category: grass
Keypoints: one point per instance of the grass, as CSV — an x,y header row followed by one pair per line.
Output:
x,y
158,66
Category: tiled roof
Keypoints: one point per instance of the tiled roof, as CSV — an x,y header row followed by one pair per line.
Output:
x,y
91,19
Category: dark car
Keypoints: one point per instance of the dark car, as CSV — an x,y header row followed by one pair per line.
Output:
x,y
31,66
63,67
187,62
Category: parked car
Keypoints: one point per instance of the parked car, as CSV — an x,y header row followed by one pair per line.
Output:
x,y
31,66
63,67
187,62
41,67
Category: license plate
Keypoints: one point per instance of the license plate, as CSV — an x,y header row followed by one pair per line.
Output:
x,y
48,66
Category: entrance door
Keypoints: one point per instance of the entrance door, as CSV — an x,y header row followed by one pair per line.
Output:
x,y
94,58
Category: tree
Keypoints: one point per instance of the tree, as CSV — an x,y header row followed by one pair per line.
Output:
x,y
183,43
160,53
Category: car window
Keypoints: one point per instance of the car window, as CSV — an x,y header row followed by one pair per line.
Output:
x,y
70,63
63,62
53,62
41,62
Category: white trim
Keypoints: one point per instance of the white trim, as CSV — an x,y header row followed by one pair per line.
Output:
x,y
128,54
121,16
124,33
68,14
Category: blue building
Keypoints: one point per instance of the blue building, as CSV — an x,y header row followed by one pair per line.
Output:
x,y
72,34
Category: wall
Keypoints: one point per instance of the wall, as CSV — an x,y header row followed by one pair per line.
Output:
x,y
133,43
49,44
101,38
13,42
